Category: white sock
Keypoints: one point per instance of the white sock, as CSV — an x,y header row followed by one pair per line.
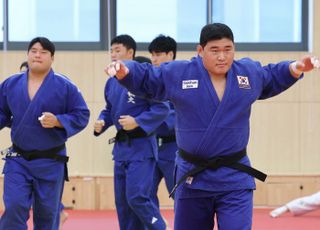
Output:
x,y
278,211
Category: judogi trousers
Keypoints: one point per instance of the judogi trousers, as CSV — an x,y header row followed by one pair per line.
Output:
x,y
38,183
232,210
135,209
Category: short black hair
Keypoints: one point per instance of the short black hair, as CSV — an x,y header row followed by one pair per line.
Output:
x,y
142,59
215,31
45,43
163,44
24,64
127,41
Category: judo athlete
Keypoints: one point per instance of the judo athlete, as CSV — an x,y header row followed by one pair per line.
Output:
x,y
63,214
43,109
212,95
163,49
135,148
299,206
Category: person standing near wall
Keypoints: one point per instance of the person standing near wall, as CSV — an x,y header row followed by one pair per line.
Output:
x,y
63,215
212,95
163,49
43,109
135,150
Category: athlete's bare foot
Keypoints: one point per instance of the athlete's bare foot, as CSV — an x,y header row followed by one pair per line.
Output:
x,y
63,218
167,224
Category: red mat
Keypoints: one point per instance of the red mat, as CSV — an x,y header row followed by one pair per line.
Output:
x,y
262,221
99,220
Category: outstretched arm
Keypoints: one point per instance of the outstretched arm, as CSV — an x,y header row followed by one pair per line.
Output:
x,y
143,79
305,64
279,77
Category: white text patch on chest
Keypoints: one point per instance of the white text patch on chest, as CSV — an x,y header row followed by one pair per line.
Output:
x,y
190,84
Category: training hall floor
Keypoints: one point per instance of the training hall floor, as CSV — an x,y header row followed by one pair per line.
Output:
x,y
107,219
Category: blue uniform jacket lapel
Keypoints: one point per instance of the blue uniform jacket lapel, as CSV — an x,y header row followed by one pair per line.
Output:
x,y
211,129
31,109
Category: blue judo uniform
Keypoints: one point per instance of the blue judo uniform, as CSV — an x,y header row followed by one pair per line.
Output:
x,y
134,158
207,127
167,148
38,179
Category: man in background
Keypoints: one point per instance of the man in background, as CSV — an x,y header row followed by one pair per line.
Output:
x,y
135,150
163,49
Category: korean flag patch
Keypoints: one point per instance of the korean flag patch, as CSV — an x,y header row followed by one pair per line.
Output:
x,y
243,82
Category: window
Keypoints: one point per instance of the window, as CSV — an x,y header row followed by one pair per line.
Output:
x,y
68,23
145,19
258,25
263,24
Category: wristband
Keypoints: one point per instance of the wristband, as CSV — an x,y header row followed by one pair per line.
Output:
x,y
294,69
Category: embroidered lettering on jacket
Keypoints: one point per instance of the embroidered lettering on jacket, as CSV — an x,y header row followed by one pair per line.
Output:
x,y
243,82
190,84
131,98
